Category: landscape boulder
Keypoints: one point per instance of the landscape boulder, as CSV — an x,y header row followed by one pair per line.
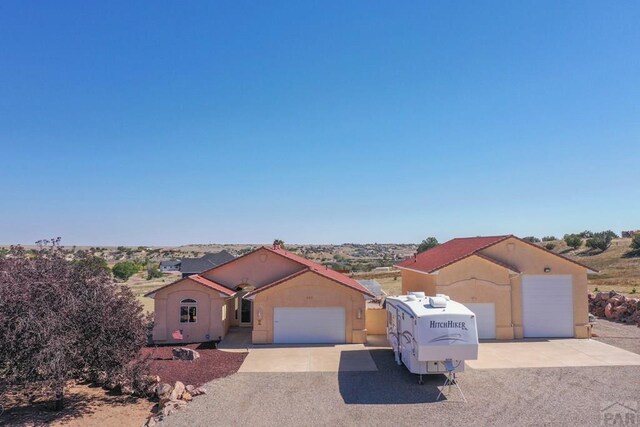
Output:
x,y
163,390
178,390
615,306
184,353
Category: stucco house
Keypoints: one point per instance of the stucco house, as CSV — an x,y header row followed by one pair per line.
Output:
x,y
516,288
282,297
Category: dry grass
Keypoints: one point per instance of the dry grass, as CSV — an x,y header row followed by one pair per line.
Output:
x,y
140,286
618,271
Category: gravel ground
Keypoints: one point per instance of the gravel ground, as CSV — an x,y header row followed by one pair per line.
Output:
x,y
550,396
618,334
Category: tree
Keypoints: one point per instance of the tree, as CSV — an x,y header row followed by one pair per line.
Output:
x,y
94,263
549,238
428,243
600,241
277,243
153,272
585,234
531,239
573,241
63,320
125,269
635,243
549,246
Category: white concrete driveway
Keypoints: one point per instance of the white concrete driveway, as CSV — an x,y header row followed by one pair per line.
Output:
x,y
552,353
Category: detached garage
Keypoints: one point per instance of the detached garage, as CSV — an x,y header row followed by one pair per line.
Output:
x,y
516,288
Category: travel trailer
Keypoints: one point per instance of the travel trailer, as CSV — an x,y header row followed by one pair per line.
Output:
x,y
431,334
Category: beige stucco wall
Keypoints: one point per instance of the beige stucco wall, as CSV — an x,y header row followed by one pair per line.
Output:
x,y
413,281
376,321
531,260
211,314
309,290
475,280
256,269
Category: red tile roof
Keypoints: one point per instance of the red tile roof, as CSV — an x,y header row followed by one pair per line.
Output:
x,y
457,249
201,281
316,268
449,252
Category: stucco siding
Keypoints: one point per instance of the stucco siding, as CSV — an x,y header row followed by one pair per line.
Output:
x,y
417,282
309,290
256,269
209,323
476,280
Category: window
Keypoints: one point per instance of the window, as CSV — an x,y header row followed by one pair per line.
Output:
x,y
188,311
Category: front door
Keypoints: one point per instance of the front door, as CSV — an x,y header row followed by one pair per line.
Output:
x,y
245,312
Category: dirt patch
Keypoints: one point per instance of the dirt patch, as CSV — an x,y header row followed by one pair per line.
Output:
x,y
212,364
85,405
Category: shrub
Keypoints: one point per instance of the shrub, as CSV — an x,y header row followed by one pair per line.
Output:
x,y
428,243
549,246
531,239
600,241
125,269
633,291
153,272
549,238
585,234
61,320
573,240
635,243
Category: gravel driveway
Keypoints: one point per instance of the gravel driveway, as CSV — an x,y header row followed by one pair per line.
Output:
x,y
549,396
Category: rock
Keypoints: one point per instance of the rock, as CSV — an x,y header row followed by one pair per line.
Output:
x,y
126,389
163,390
171,406
190,388
184,353
177,391
198,391
608,311
151,421
186,396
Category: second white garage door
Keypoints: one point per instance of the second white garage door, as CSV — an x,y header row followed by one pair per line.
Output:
x,y
485,319
547,306
313,325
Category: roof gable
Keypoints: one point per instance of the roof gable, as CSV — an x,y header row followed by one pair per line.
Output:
x,y
196,279
449,252
434,259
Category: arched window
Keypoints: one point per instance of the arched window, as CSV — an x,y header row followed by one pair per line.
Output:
x,y
188,311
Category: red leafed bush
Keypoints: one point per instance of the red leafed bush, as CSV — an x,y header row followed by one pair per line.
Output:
x,y
63,320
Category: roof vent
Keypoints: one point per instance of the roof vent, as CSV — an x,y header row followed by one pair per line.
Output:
x,y
411,297
437,302
444,296
419,295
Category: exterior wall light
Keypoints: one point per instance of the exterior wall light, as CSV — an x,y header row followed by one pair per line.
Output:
x,y
259,314
547,269
359,314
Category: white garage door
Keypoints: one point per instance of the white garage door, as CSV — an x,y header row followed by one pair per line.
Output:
x,y
547,306
485,319
308,325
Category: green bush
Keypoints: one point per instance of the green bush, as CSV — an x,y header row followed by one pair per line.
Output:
x,y
573,240
600,241
550,246
635,242
585,234
153,272
549,238
428,243
125,269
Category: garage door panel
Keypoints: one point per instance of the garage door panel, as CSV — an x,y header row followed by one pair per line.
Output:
x,y
309,325
547,306
485,319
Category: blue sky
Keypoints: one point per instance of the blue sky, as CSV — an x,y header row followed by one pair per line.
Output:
x,y
165,123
